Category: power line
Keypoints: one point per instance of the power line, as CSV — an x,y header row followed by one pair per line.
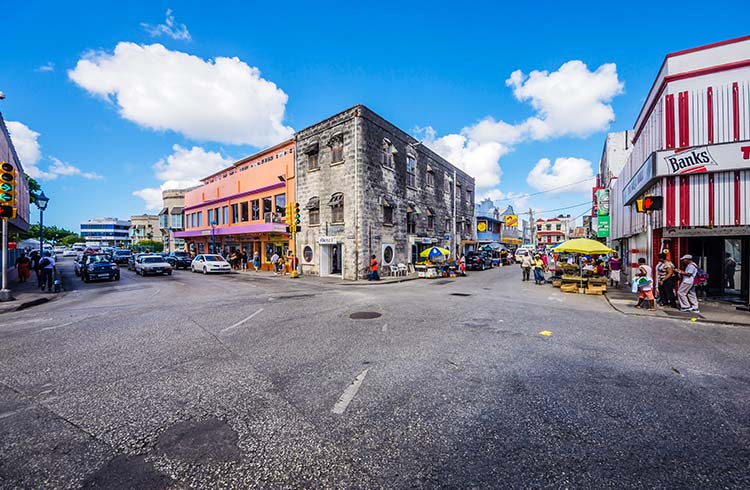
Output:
x,y
560,209
543,192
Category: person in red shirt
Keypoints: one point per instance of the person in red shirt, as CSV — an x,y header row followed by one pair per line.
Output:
x,y
374,276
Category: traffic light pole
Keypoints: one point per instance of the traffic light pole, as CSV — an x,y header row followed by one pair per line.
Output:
x,y
5,292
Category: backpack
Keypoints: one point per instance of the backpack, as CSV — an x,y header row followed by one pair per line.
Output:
x,y
701,277
44,263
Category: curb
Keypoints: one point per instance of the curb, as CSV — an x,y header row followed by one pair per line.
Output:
x,y
698,319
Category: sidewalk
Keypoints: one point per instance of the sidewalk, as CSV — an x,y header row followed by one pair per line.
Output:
x,y
307,278
623,301
26,294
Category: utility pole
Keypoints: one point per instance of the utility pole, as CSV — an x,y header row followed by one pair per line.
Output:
x,y
532,228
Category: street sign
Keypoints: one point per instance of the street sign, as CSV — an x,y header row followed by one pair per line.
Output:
x,y
511,220
602,228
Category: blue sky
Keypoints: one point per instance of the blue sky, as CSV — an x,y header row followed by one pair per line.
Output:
x,y
115,104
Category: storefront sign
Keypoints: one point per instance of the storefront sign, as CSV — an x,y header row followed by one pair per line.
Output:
x,y
602,227
702,159
206,232
278,228
481,226
602,202
426,240
705,231
511,220
641,179
447,237
327,240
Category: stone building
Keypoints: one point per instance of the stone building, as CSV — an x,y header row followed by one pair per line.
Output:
x,y
144,227
365,188
172,220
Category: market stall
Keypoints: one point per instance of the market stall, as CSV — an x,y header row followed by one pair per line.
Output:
x,y
579,276
436,264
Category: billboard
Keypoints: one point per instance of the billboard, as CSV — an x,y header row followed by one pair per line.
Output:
x,y
602,227
602,202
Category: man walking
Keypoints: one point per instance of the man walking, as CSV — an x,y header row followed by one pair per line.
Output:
x,y
615,265
374,276
47,265
686,292
526,263
730,266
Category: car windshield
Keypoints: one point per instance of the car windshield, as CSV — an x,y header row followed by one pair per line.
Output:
x,y
122,252
213,258
180,254
97,259
152,260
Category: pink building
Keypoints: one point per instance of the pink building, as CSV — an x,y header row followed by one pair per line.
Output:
x,y
243,206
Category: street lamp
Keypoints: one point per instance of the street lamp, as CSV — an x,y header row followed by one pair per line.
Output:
x,y
41,203
213,236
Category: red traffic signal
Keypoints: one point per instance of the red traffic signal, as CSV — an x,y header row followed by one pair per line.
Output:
x,y
653,203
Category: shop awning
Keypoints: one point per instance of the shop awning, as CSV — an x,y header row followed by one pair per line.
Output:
x,y
496,246
176,210
336,199
313,203
164,211
387,202
311,148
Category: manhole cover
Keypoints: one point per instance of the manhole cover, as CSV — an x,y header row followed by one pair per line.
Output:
x,y
364,315
460,294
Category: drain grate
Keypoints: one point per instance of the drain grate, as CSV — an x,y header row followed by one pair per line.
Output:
x,y
364,315
460,294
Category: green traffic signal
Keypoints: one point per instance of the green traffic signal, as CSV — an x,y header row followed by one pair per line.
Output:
x,y
6,197
6,187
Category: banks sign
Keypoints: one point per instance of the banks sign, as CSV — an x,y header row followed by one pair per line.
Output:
x,y
702,159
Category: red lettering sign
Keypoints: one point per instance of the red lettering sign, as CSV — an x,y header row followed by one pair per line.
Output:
x,y
745,152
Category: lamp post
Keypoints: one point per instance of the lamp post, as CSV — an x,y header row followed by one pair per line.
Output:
x,y
41,203
213,236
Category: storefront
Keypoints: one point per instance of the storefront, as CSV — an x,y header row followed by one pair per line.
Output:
x,y
331,253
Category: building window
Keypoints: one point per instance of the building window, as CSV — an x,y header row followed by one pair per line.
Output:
x,y
235,213
244,211
267,209
337,148
387,150
548,226
313,210
411,171
337,207
177,221
307,254
411,222
448,225
199,219
225,214
163,220
255,207
387,215
468,197
446,184
280,203
430,177
557,227
538,227
430,220
459,193
312,161
210,216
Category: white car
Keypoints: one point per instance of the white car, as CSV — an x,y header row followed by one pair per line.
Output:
x,y
520,253
206,263
152,264
69,252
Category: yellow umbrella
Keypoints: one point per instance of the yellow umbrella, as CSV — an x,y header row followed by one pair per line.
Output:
x,y
583,246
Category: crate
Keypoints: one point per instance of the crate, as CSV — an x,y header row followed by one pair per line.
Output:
x,y
569,288
556,284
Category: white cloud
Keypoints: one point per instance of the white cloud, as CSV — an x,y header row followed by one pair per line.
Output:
x,y
59,167
26,142
223,100
570,101
480,160
567,174
489,130
169,28
183,168
46,68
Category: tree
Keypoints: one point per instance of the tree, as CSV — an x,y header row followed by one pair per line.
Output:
x,y
50,233
71,239
34,188
153,245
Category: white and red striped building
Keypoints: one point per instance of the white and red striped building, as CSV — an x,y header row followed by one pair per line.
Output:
x,y
691,145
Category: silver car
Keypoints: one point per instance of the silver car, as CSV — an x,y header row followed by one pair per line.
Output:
x,y
152,264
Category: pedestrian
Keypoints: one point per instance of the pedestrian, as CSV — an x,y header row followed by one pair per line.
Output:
x,y
645,287
23,266
615,265
374,276
243,259
282,265
48,269
666,279
256,261
35,259
275,263
462,265
686,292
526,263
730,265
504,257
538,270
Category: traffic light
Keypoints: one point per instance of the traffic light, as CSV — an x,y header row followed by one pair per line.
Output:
x,y
7,212
288,215
653,203
296,214
8,185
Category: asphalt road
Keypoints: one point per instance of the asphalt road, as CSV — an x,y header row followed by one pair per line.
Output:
x,y
246,381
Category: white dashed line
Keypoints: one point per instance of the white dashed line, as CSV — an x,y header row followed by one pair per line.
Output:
x,y
156,292
385,328
349,393
59,326
241,321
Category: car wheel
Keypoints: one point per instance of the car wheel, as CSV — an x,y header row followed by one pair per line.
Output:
x,y
192,269
205,271
117,277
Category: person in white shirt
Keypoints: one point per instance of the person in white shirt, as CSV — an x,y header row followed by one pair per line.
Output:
x,y
686,291
646,290
47,266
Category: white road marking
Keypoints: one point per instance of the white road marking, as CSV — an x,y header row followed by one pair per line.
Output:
x,y
349,393
385,328
156,292
59,326
554,298
241,321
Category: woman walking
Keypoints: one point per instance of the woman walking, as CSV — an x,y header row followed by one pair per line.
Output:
x,y
256,261
243,259
538,270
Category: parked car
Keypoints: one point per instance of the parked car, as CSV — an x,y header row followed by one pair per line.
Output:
x,y
179,260
69,252
99,266
78,264
133,259
520,253
478,261
207,263
58,249
152,264
121,257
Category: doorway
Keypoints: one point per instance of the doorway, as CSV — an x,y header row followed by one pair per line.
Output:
x,y
732,266
331,259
